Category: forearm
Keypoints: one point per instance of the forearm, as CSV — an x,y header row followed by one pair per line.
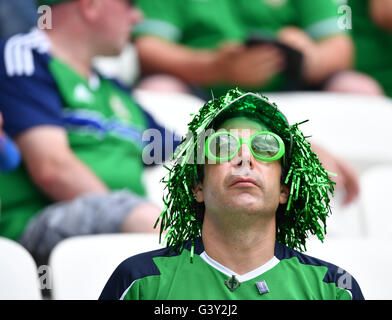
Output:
x,y
321,58
193,66
66,179
53,166
381,13
333,54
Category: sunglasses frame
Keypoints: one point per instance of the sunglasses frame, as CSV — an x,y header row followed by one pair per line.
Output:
x,y
248,142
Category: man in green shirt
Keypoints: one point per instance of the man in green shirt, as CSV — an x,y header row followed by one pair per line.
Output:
x,y
244,192
203,43
79,133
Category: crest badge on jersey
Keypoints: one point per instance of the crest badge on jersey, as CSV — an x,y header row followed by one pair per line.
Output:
x,y
82,94
232,283
119,108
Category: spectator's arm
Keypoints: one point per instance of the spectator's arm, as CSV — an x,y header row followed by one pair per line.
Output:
x,y
158,55
231,63
347,178
53,166
335,54
381,13
322,58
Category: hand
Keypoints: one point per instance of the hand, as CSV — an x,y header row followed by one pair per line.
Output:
x,y
381,13
244,66
299,40
347,178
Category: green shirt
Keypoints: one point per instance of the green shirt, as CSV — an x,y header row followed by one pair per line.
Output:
x,y
208,23
167,275
115,152
373,45
104,127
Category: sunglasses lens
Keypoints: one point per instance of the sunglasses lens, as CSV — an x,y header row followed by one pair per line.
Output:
x,y
223,146
265,146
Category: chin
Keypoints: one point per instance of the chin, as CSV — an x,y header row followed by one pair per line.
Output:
x,y
247,197
111,52
250,204
246,205
113,48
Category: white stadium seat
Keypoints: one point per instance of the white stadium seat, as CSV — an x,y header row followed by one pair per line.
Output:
x,y
19,279
81,266
371,214
355,127
367,259
174,110
376,202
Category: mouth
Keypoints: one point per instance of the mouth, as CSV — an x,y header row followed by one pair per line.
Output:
x,y
244,182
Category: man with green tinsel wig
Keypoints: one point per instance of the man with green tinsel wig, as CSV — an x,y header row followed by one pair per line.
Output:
x,y
243,194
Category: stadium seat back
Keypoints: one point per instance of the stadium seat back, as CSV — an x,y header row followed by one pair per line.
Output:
x,y
82,265
19,278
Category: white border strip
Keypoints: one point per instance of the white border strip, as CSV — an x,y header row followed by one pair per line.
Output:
x,y
126,291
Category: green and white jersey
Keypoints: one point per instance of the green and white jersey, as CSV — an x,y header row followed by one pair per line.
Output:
x,y
208,23
168,275
104,124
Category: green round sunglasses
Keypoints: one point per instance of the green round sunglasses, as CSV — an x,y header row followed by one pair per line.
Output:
x,y
264,145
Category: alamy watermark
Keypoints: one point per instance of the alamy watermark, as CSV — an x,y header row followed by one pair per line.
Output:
x,y
345,281
45,18
158,147
345,17
45,277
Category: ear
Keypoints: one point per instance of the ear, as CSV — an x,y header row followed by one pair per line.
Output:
x,y
198,192
90,9
284,194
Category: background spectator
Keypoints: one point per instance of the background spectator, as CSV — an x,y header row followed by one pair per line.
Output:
x,y
204,44
79,133
372,36
17,16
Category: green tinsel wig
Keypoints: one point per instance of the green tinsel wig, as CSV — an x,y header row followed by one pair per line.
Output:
x,y
310,186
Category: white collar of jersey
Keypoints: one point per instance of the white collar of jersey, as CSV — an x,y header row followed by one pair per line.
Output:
x,y
94,81
244,277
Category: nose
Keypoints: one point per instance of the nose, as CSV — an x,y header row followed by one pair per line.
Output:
x,y
244,157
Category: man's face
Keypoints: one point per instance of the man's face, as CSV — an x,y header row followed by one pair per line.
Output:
x,y
243,184
114,25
